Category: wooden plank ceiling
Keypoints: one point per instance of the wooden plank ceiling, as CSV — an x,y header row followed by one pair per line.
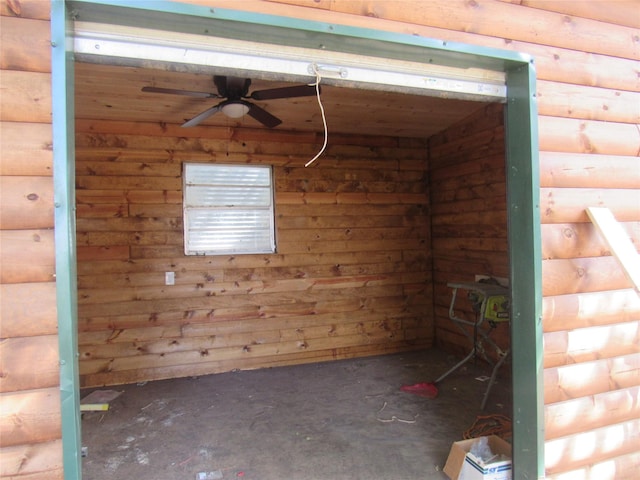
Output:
x,y
109,92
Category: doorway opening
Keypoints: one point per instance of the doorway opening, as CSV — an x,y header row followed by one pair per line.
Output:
x,y
241,144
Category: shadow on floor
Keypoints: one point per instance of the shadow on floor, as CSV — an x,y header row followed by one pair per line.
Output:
x,y
327,421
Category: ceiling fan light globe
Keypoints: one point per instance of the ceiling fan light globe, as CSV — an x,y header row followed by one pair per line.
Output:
x,y
235,110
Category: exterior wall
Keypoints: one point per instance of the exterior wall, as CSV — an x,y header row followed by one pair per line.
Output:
x,y
351,277
588,84
468,218
30,445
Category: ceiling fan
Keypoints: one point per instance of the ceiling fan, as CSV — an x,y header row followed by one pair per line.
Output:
x,y
235,90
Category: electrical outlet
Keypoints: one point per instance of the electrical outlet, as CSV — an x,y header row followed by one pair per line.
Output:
x,y
169,278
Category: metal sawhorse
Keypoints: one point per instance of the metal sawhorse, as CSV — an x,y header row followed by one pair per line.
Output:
x,y
493,303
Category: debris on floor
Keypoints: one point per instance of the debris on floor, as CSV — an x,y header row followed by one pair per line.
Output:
x,y
486,425
394,418
254,424
215,475
424,389
98,400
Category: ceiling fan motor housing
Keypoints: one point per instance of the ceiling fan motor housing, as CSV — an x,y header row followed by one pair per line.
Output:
x,y
233,88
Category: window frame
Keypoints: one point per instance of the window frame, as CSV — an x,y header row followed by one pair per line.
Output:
x,y
188,185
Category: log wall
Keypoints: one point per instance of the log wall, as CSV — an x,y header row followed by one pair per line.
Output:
x,y
468,220
588,87
30,445
351,276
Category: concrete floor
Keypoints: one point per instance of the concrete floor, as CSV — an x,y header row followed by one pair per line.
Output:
x,y
337,420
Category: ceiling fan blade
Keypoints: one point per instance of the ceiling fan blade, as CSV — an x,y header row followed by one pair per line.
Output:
x,y
173,91
263,116
284,92
202,116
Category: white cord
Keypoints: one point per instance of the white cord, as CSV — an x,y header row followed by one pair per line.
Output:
x,y
324,119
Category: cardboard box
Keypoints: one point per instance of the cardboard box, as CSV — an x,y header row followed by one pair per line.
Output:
x,y
463,465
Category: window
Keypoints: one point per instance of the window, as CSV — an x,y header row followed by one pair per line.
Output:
x,y
228,209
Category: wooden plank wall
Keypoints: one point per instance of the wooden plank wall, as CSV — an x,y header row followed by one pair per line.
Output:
x,y
468,219
586,56
351,277
30,445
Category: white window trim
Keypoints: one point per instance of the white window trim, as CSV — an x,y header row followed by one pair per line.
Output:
x,y
201,207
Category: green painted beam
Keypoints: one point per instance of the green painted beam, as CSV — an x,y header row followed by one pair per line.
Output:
x,y
65,234
277,30
525,259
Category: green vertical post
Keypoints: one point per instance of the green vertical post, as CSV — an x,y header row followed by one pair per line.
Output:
x,y
523,203
65,235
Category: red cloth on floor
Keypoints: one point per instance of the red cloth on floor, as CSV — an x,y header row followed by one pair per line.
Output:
x,y
428,390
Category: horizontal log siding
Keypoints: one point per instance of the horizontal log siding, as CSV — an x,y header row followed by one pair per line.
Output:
x,y
576,45
30,444
469,226
586,56
351,276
